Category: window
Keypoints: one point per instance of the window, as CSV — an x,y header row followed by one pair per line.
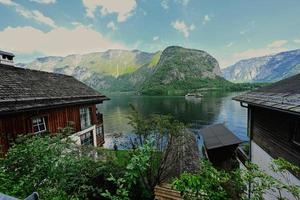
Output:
x,y
99,130
39,124
85,118
86,138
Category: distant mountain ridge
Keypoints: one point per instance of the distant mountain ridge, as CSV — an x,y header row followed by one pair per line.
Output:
x,y
100,70
264,69
175,68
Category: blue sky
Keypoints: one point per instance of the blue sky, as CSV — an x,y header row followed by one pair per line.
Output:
x,y
230,30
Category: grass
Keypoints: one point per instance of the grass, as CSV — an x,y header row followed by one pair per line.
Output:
x,y
121,157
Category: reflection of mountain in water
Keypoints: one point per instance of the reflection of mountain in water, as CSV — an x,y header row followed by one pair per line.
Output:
x,y
215,107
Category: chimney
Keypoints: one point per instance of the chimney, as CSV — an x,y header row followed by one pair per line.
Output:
x,y
7,58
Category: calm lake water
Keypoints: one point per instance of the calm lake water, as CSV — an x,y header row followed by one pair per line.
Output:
x,y
214,107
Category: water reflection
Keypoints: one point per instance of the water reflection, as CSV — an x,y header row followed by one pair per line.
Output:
x,y
214,107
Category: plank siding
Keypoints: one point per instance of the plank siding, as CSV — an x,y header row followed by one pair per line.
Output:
x,y
271,130
21,123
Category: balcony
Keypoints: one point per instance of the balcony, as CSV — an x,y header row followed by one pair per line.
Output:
x,y
86,136
100,134
99,118
6,62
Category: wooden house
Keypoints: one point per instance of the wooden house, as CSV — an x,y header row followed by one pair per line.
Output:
x,y
36,102
274,123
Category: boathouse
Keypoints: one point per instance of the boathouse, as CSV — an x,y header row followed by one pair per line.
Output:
x,y
37,102
220,146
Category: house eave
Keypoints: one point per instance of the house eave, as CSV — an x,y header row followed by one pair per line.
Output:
x,y
269,107
38,106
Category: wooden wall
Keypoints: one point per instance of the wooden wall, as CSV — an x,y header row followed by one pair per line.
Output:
x,y
272,131
21,123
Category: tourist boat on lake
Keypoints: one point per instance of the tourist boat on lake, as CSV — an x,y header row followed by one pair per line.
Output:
x,y
193,95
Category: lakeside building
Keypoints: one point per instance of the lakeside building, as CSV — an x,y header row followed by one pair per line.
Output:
x,y
36,102
274,125
220,145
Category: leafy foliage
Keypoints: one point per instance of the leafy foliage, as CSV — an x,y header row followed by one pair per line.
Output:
x,y
207,184
212,184
50,166
135,169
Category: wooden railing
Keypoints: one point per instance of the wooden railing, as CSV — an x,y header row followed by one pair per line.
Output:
x,y
99,118
241,155
100,137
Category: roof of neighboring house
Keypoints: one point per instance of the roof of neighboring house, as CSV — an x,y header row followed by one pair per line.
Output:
x,y
217,136
283,95
181,154
23,89
6,53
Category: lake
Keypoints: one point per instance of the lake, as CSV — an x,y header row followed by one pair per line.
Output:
x,y
214,107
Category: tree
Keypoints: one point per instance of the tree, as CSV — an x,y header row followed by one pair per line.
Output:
x,y
55,168
161,129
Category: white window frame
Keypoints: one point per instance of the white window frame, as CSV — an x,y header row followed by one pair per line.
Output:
x,y
84,138
86,112
39,124
99,130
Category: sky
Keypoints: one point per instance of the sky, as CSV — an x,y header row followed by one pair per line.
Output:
x,y
230,30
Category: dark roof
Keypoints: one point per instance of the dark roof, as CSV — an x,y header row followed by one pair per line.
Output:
x,y
182,155
24,89
217,136
283,95
6,53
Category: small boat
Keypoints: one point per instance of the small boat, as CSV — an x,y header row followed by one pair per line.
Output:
x,y
194,95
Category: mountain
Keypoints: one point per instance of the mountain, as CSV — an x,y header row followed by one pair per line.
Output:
x,y
175,69
264,69
101,70
182,69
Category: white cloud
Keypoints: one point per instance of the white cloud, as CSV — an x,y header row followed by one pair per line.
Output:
x,y
297,41
230,44
76,23
249,26
183,2
206,19
8,2
272,48
112,26
277,43
250,53
123,10
57,42
155,38
44,1
183,28
164,4
30,14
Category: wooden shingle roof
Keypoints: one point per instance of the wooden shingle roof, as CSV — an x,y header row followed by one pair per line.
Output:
x,y
6,53
283,95
24,89
182,155
217,136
